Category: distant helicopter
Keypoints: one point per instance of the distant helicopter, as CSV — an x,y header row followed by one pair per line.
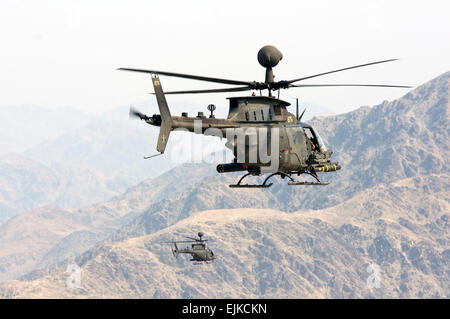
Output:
x,y
198,250
298,148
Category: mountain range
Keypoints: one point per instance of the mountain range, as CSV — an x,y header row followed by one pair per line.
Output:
x,y
88,160
66,158
387,207
265,253
27,184
26,126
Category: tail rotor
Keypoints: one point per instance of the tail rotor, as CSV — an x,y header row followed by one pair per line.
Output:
x,y
175,251
135,114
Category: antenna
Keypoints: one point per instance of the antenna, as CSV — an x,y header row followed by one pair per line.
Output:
x,y
300,118
297,107
211,108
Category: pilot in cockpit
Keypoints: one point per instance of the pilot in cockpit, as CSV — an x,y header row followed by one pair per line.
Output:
x,y
313,147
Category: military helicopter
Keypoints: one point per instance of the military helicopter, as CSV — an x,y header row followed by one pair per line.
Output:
x,y
198,250
295,146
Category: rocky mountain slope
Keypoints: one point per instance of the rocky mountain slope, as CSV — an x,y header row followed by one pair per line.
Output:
x,y
72,160
111,143
399,139
26,126
26,184
401,227
43,236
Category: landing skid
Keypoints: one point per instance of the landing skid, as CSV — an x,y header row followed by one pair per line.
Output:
x,y
263,185
311,173
306,183
283,175
250,186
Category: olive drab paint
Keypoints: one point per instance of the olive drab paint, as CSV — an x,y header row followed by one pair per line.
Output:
x,y
264,137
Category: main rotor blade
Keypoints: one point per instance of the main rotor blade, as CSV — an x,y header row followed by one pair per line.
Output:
x,y
367,85
238,89
339,70
179,241
196,239
189,76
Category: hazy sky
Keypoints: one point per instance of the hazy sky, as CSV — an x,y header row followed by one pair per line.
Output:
x,y
64,53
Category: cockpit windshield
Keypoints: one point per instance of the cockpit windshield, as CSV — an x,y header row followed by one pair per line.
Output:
x,y
315,139
322,146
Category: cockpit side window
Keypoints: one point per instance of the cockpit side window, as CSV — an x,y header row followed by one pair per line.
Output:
x,y
315,139
321,143
277,109
312,139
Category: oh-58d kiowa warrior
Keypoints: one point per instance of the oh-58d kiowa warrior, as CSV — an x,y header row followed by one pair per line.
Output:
x,y
198,251
291,146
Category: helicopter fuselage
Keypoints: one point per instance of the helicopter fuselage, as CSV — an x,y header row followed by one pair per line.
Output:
x,y
300,149
295,148
198,252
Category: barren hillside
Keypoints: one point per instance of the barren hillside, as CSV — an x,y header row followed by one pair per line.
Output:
x,y
401,227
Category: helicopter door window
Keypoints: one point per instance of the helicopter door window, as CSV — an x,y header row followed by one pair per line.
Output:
x,y
254,115
246,116
270,114
296,135
262,114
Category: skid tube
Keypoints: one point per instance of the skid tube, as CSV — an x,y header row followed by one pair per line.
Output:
x,y
292,182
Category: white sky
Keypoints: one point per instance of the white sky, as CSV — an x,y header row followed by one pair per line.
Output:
x,y
64,53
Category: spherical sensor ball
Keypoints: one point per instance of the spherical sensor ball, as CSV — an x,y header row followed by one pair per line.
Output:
x,y
269,56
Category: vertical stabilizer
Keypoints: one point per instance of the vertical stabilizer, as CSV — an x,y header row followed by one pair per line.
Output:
x,y
166,118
